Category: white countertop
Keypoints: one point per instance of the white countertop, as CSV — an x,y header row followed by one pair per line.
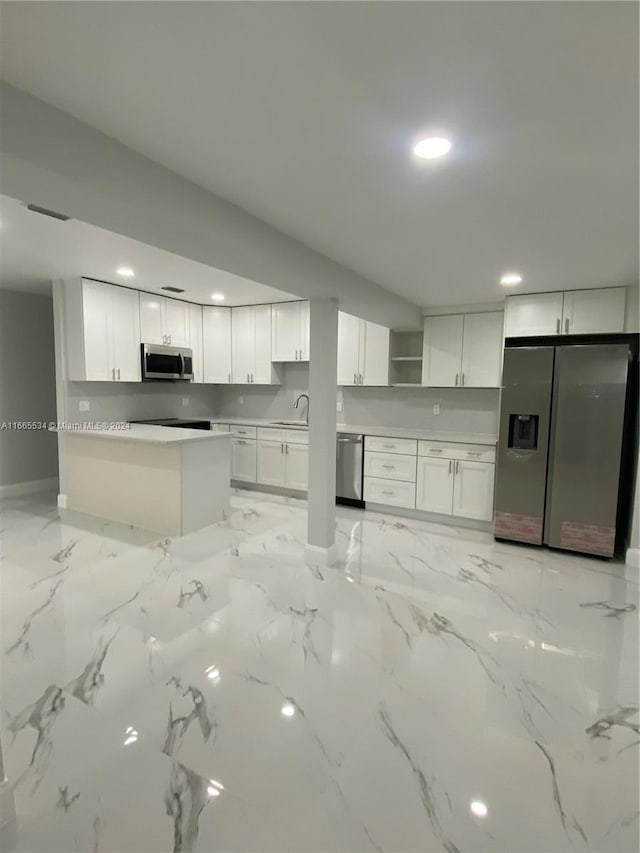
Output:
x,y
384,432
151,434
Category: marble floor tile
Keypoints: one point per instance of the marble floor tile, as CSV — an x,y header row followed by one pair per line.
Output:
x,y
435,690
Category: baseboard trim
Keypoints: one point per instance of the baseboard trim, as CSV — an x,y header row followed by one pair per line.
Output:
x,y
633,557
315,555
30,487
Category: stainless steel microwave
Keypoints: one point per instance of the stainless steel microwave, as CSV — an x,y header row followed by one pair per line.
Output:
x,y
169,363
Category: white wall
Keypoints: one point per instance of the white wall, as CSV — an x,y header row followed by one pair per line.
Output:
x,y
109,185
461,410
27,387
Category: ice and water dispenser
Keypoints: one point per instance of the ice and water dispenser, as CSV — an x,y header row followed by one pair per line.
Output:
x,y
523,432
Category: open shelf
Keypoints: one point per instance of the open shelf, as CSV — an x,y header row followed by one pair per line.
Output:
x,y
406,358
407,384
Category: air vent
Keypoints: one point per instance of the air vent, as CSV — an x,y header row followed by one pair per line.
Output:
x,y
173,289
52,213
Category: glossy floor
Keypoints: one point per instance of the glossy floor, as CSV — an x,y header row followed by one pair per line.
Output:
x,y
435,691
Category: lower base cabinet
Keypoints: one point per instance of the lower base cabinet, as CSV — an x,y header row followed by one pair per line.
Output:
x,y
243,460
284,465
455,487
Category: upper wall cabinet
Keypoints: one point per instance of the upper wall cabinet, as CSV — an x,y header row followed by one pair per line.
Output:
x,y
463,350
102,331
251,346
164,321
290,331
573,312
363,352
216,328
195,340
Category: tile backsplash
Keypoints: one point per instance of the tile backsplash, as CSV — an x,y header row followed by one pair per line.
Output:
x,y
124,401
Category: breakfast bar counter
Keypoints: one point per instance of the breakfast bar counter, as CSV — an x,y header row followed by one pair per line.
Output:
x,y
165,479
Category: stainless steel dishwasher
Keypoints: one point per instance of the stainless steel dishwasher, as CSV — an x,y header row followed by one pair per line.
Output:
x,y
349,460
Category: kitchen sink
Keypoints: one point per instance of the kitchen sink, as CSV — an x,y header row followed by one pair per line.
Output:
x,y
290,423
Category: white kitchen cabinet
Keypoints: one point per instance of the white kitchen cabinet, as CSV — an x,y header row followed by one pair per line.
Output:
x,y
102,332
164,321
363,352
463,350
271,463
251,345
473,490
572,312
290,331
434,486
96,325
125,321
482,346
533,314
196,340
297,466
348,349
593,311
243,459
216,344
442,355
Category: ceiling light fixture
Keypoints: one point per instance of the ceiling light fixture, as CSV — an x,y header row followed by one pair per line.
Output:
x,y
287,710
478,808
217,297
510,278
125,272
432,147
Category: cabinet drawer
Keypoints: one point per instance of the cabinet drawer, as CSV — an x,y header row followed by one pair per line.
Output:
x,y
471,452
297,436
244,431
390,466
390,492
406,446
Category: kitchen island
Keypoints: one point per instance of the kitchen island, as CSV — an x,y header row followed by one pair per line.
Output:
x,y
169,480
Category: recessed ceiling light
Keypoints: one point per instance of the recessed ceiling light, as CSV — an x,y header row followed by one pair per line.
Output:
x,y
479,809
432,147
510,278
287,710
125,272
217,297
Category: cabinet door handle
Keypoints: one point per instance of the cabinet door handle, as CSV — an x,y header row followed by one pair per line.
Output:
x,y
457,377
435,450
457,467
390,467
247,378
557,325
473,453
229,378
282,448
386,492
361,379
449,466
462,380
355,379
566,326
118,373
113,373
286,448
240,441
252,377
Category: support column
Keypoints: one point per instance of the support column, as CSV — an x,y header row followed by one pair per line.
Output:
x,y
323,353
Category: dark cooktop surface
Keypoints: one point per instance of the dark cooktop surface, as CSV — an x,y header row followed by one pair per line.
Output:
x,y
177,422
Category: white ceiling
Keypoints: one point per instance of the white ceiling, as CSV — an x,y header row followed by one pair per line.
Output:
x,y
305,114
35,249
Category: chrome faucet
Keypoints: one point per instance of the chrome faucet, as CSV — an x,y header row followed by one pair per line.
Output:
x,y
295,405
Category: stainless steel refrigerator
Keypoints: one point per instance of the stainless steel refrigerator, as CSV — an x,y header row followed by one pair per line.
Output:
x,y
565,452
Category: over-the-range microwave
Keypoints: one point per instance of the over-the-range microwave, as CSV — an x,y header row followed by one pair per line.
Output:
x,y
168,363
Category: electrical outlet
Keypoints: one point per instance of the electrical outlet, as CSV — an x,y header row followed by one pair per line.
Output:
x,y
185,401
339,406
84,405
436,408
